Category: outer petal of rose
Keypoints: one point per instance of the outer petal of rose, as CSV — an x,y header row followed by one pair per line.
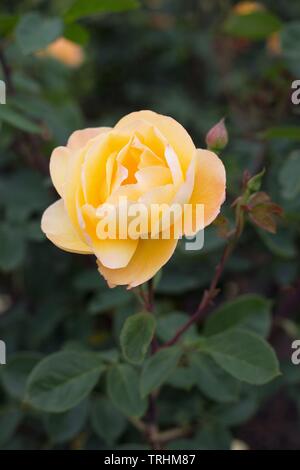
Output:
x,y
58,167
114,254
209,188
149,257
63,158
79,138
174,132
57,227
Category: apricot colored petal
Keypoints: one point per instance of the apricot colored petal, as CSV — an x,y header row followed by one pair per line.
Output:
x,y
131,192
152,176
93,175
58,167
114,254
148,258
57,227
174,165
120,176
209,188
174,132
185,190
149,158
158,195
79,138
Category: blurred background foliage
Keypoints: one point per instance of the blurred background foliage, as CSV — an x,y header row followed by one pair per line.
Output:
x,y
196,60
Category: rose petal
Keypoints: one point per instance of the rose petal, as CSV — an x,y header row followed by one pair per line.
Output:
x,y
79,138
148,258
57,227
153,176
114,254
93,173
209,188
58,167
174,132
174,165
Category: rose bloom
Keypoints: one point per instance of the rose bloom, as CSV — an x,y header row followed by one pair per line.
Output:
x,y
65,51
147,158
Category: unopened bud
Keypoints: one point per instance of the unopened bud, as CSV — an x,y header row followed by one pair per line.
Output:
x,y
254,183
217,137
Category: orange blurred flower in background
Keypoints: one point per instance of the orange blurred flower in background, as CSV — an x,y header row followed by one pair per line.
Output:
x,y
245,8
65,51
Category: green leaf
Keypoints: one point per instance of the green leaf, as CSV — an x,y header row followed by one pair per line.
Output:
x,y
30,195
18,120
238,413
108,300
213,381
213,437
76,33
182,378
35,32
7,23
60,381
257,25
80,9
107,421
244,355
249,311
14,375
158,368
176,283
12,248
89,280
289,176
168,324
289,39
281,243
282,132
136,336
123,390
9,419
62,427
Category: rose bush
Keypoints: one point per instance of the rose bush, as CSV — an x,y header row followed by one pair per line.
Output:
x,y
147,158
186,360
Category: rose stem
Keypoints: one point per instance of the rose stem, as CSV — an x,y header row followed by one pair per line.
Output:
x,y
211,293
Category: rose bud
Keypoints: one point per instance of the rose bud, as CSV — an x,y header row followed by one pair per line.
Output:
x,y
217,138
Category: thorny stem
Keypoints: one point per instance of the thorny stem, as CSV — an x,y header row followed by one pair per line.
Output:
x,y
212,291
162,437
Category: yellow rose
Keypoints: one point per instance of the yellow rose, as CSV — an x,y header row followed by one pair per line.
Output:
x,y
146,158
65,51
